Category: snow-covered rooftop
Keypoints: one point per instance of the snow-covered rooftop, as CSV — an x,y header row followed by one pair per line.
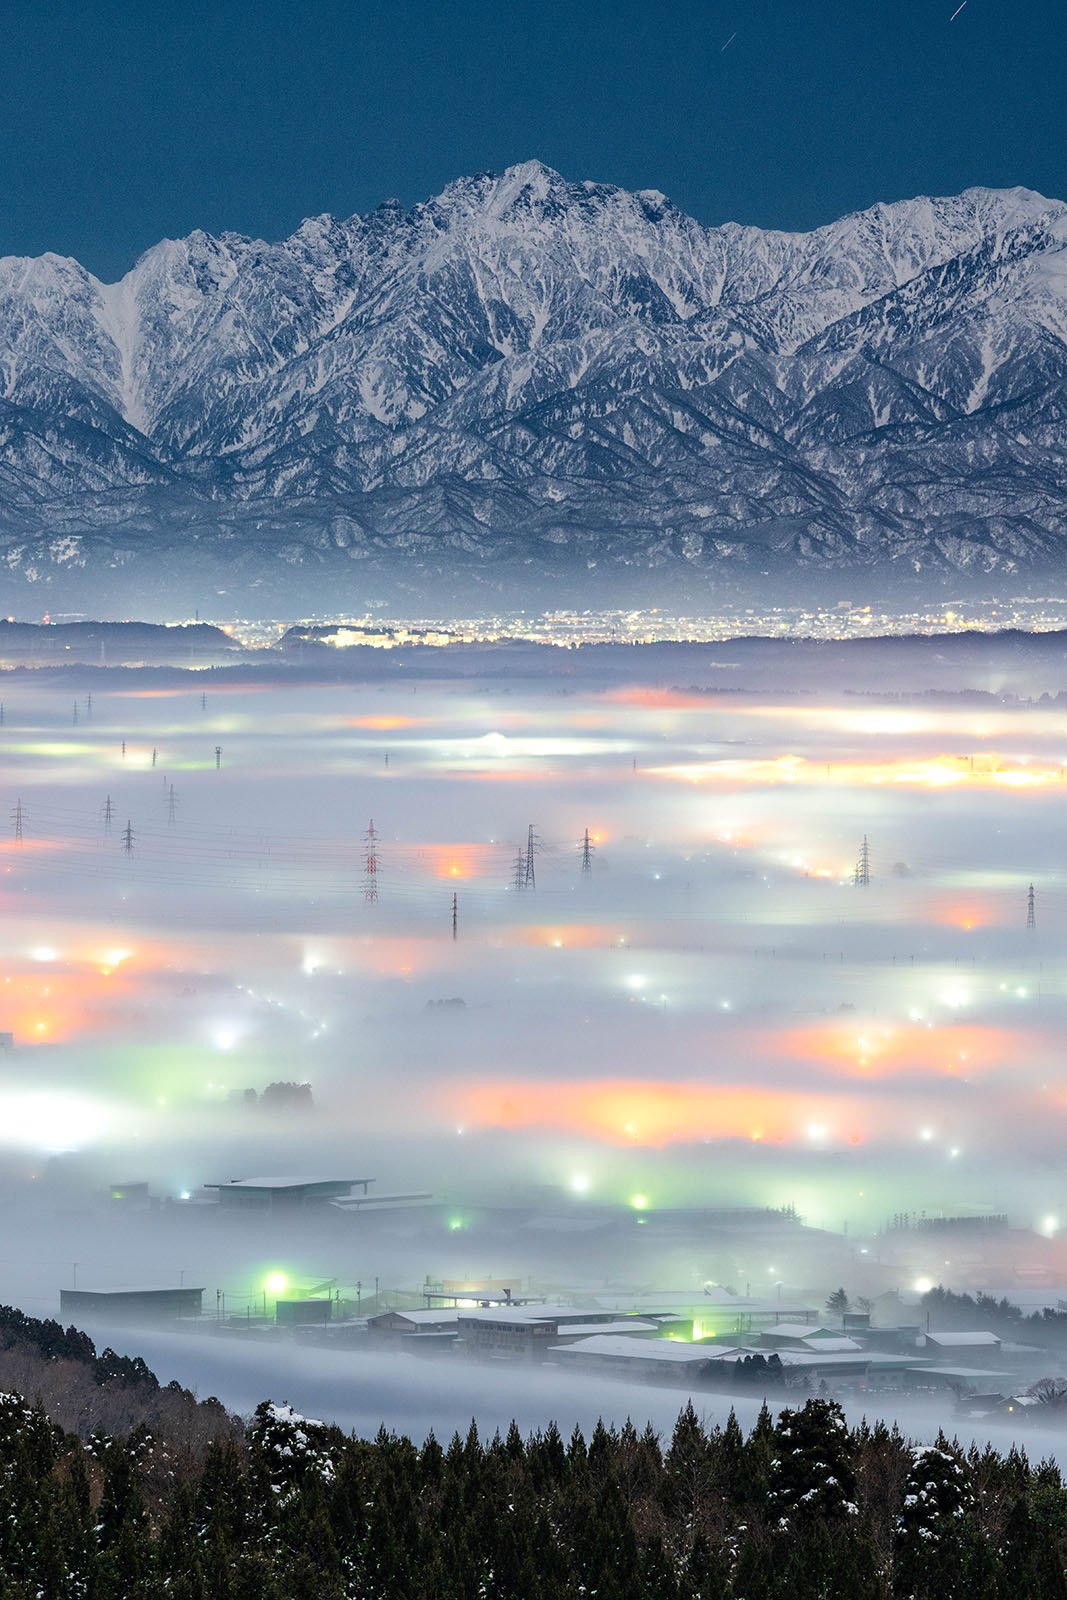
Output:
x,y
952,1341
617,1344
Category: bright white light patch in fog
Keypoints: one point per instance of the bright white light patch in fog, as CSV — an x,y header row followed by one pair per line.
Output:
x,y
51,1121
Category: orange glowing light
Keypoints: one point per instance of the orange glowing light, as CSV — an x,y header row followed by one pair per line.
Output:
x,y
385,724
661,699
645,1112
463,860
909,1048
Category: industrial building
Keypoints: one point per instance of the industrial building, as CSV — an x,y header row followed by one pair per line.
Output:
x,y
284,1194
131,1305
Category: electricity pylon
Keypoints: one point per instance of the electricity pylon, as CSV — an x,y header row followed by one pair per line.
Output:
x,y
455,915
127,838
370,865
533,844
17,819
109,812
862,874
587,850
1031,919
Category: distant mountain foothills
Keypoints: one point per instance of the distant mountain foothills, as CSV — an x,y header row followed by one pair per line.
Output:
x,y
536,380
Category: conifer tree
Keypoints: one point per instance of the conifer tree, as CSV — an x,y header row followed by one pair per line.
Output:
x,y
812,1475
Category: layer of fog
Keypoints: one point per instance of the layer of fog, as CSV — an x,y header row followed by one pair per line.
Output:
x,y
714,1014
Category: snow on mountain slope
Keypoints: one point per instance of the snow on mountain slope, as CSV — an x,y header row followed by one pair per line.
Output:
x,y
525,367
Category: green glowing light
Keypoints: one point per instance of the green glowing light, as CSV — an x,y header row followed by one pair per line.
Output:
x,y
639,1202
455,1223
276,1282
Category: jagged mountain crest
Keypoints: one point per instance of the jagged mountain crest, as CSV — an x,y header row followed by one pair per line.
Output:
x,y
526,363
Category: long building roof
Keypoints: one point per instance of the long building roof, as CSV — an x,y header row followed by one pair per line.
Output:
x,y
285,1183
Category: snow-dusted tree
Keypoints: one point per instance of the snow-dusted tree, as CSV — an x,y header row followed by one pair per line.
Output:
x,y
932,1529
289,1449
812,1475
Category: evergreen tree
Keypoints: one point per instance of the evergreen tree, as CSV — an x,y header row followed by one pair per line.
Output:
x,y
812,1476
934,1537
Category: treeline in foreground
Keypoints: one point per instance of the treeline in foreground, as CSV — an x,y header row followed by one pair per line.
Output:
x,y
290,1509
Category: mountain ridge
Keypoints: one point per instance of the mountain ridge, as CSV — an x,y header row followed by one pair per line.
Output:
x,y
530,373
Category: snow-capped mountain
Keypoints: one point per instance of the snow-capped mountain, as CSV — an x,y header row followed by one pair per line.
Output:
x,y
527,373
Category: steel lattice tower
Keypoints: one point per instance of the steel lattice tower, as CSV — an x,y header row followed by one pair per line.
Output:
x,y
529,875
1031,919
370,865
587,849
862,874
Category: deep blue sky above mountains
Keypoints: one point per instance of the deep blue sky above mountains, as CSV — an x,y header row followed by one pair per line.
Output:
x,y
121,123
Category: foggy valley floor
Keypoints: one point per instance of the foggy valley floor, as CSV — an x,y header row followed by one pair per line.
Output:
x,y
210,885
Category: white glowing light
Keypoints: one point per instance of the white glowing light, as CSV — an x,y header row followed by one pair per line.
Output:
x,y
1050,1225
50,1121
580,1183
923,1285
955,997
635,981
926,1134
224,1038
816,1130
43,952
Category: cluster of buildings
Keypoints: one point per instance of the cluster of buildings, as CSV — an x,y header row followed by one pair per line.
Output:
x,y
846,620
714,1339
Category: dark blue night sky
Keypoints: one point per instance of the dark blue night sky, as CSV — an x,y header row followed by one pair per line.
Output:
x,y
122,123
